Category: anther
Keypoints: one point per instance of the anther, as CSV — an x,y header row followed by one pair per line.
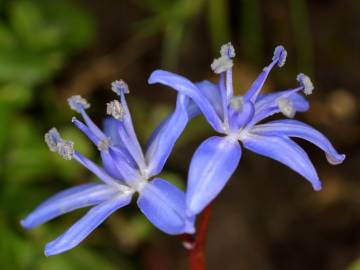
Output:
x,y
66,149
227,50
115,109
104,144
221,64
280,55
306,83
119,87
286,106
77,103
52,138
237,103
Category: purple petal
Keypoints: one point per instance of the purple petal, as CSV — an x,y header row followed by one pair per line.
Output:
x,y
293,128
267,104
238,119
186,87
119,162
211,167
212,93
67,201
162,141
164,205
83,227
285,151
111,127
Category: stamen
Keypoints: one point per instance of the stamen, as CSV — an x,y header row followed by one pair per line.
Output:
x,y
221,64
115,109
104,144
77,103
237,103
280,55
227,50
286,106
57,144
66,149
52,138
306,83
119,87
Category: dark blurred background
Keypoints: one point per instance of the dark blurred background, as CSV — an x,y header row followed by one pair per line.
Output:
x,y
267,217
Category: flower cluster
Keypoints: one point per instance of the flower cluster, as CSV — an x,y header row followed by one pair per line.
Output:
x,y
127,170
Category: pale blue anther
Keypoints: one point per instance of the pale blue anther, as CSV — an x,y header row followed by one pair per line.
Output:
x,y
306,83
280,55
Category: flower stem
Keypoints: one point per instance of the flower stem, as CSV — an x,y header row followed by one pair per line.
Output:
x,y
196,244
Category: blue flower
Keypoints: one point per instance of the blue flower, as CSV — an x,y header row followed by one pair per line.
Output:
x,y
126,171
237,118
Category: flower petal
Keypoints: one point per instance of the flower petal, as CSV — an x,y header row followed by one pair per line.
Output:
x,y
212,93
162,141
211,167
285,151
119,162
83,227
67,201
111,127
164,205
294,128
267,104
186,87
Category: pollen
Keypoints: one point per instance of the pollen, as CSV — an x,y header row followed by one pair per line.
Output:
x,y
104,144
52,138
115,109
227,50
286,106
306,83
78,103
237,103
66,149
221,64
56,144
119,87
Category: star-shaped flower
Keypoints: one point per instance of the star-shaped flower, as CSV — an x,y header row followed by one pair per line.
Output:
x,y
237,118
126,171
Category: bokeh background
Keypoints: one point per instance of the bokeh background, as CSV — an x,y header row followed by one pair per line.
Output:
x,y
267,217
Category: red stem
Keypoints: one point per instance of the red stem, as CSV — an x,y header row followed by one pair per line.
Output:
x,y
196,244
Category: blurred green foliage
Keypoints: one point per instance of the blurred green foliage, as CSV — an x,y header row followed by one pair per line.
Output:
x,y
36,39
